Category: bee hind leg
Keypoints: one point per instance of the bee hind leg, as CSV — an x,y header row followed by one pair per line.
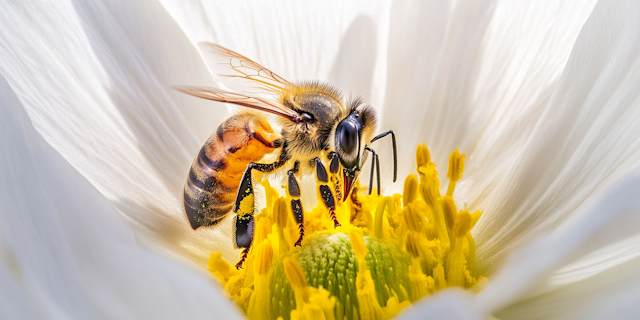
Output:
x,y
243,235
324,192
244,208
293,190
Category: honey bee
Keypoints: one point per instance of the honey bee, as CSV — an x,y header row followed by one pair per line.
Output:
x,y
315,125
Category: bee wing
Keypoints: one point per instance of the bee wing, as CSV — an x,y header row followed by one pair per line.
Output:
x,y
239,99
240,73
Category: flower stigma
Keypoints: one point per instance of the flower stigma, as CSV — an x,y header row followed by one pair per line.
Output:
x,y
389,252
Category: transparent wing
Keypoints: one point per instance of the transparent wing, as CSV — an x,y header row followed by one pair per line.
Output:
x,y
239,99
240,73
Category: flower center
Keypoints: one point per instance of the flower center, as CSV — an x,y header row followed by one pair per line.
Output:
x,y
388,253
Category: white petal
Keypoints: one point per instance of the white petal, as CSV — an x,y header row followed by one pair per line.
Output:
x,y
473,74
585,140
605,290
324,40
65,251
96,79
613,218
451,304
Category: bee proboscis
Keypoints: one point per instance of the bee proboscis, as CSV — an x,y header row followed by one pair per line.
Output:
x,y
316,125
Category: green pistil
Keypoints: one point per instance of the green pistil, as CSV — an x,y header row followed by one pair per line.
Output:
x,y
329,261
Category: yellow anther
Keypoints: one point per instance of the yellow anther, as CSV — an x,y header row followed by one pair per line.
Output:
x,y
410,193
429,195
456,165
280,212
423,157
263,257
270,192
463,224
413,218
357,242
220,268
449,210
413,244
423,229
296,277
377,223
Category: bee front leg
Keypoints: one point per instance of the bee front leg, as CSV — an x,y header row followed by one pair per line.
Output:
x,y
293,190
324,192
244,208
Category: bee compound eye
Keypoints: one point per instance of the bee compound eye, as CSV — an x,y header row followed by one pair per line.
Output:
x,y
348,137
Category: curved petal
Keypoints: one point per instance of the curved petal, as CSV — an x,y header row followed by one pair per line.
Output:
x,y
451,304
615,217
323,40
474,74
584,141
95,78
605,290
65,251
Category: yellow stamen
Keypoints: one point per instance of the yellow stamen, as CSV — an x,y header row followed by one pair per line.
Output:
x,y
413,218
463,224
358,245
312,303
259,302
449,212
413,245
423,156
410,189
389,252
456,166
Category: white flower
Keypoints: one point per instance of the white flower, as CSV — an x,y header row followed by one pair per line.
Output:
x,y
95,146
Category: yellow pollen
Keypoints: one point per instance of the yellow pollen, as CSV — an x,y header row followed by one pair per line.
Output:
x,y
246,205
389,252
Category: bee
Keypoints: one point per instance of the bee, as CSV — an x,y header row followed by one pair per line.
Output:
x,y
316,126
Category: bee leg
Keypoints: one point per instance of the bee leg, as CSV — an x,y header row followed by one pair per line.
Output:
x,y
334,168
324,192
243,235
293,190
244,208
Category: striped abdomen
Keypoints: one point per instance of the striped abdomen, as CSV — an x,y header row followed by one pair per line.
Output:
x,y
216,171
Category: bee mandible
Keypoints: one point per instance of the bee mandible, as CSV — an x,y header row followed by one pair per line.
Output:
x,y
316,125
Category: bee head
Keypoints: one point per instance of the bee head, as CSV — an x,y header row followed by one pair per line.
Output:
x,y
351,136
